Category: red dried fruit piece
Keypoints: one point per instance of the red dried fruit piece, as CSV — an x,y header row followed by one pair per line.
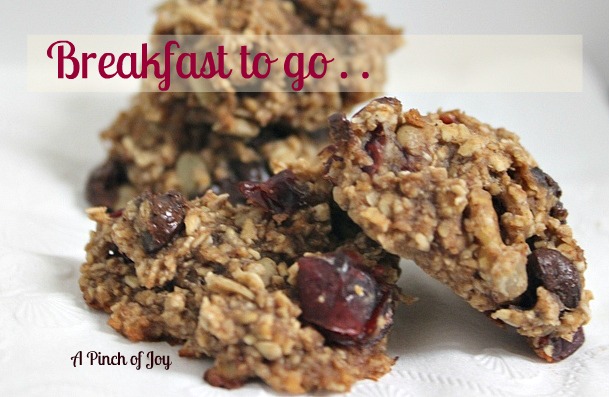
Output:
x,y
561,348
340,131
552,270
254,171
165,219
374,147
115,214
448,118
343,301
280,194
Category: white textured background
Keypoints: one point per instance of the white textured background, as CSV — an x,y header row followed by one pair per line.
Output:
x,y
48,144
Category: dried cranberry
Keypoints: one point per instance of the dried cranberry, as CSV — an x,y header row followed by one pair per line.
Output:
x,y
104,182
552,270
254,171
343,301
164,219
448,118
280,194
375,147
115,214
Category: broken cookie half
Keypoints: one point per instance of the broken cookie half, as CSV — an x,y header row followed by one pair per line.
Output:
x,y
472,208
281,288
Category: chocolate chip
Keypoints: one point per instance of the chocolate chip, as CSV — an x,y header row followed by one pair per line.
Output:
x,y
559,212
562,348
547,181
342,300
104,182
280,194
164,219
552,270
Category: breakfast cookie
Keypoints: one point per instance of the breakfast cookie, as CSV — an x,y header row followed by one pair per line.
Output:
x,y
242,112
471,207
159,145
190,141
283,288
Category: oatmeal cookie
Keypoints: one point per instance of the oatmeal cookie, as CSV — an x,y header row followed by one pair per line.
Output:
x,y
159,144
190,141
471,207
243,114
281,288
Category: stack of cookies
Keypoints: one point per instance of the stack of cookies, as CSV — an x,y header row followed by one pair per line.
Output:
x,y
247,227
261,270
